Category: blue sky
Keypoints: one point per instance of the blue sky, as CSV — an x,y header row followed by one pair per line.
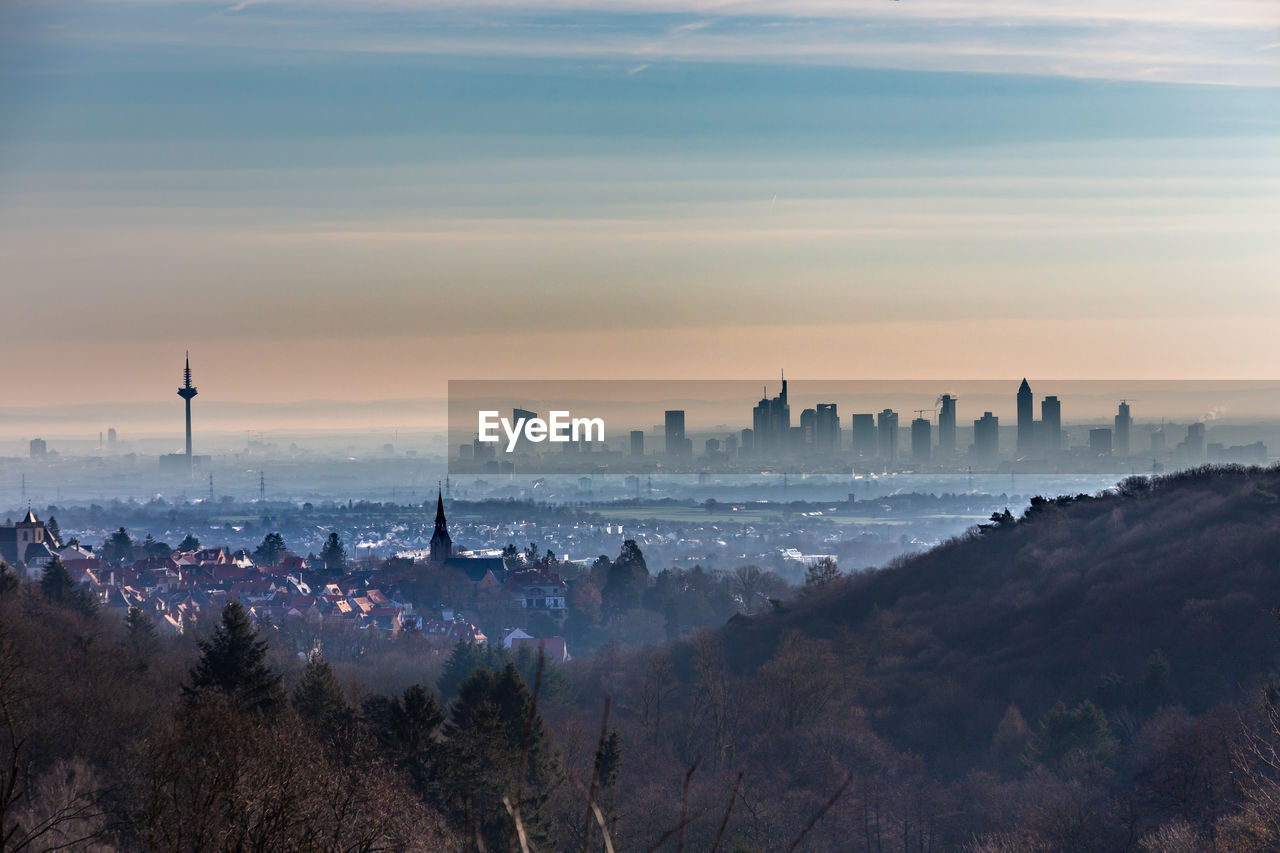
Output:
x,y
359,198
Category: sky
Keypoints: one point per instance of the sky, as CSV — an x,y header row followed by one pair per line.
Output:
x,y
342,200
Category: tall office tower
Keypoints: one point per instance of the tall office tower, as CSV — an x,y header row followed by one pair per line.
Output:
x,y
1191,448
921,439
887,435
1051,428
947,425
1123,424
637,442
186,392
522,443
673,432
111,438
748,440
483,451
771,421
864,435
986,439
39,449
827,428
1100,441
809,428
1026,419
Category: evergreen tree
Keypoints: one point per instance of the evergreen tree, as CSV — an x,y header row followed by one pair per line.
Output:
x,y
492,733
600,571
1082,731
465,659
51,528
59,589
118,548
999,521
555,684
270,551
56,583
233,662
407,728
610,759
189,543
140,636
319,697
334,555
627,578
154,548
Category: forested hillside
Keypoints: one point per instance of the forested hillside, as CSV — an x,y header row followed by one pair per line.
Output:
x,y
1085,677
1162,594
1091,676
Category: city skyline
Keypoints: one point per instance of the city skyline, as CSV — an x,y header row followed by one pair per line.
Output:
x,y
819,439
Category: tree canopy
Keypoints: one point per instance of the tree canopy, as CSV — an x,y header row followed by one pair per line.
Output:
x,y
233,662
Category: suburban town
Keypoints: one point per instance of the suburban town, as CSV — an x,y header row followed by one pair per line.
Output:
x,y
311,600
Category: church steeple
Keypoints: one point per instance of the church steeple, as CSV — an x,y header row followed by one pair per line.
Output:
x,y
441,543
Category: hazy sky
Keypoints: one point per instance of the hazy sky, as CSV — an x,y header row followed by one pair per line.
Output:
x,y
361,200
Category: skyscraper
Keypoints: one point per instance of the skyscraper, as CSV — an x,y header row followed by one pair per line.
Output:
x,y
887,435
1026,419
863,428
921,439
1100,441
809,427
673,431
1123,424
186,392
947,425
771,421
637,442
827,428
986,439
517,415
1191,448
1051,424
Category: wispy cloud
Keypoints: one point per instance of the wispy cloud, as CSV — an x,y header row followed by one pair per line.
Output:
x,y
1257,13
1175,41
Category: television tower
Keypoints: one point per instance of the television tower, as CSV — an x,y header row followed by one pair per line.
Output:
x,y
186,392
